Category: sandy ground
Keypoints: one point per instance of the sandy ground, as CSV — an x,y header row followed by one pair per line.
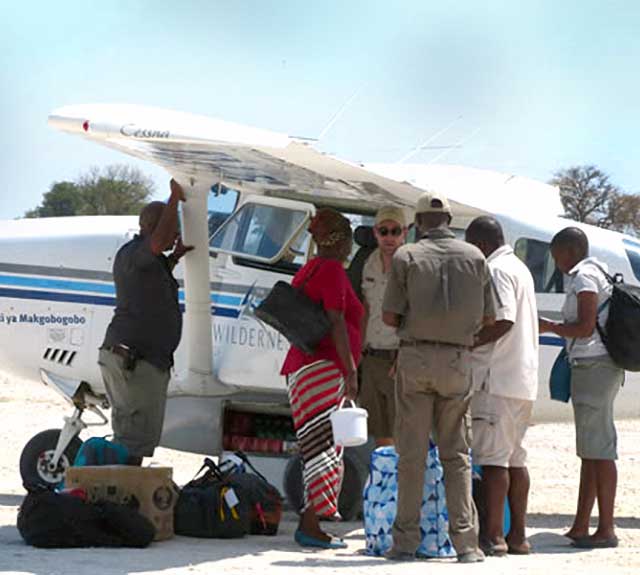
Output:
x,y
27,408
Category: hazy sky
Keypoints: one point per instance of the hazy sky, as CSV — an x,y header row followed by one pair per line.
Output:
x,y
537,85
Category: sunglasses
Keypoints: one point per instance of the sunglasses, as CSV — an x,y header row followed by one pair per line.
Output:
x,y
384,231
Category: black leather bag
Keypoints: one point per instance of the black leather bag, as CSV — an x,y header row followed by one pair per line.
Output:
x,y
203,508
296,316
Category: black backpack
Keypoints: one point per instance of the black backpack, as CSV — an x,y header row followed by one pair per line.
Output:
x,y
621,332
49,519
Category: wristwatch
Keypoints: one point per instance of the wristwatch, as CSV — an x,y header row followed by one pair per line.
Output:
x,y
172,259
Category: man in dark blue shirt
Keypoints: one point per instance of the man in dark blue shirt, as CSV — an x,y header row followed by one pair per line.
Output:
x,y
137,353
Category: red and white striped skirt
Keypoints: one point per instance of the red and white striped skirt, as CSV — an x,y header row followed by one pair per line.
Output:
x,y
314,393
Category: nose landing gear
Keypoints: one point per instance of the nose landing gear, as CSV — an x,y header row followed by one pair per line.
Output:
x,y
48,454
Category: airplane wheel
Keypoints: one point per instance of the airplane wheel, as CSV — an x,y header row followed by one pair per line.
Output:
x,y
350,500
37,454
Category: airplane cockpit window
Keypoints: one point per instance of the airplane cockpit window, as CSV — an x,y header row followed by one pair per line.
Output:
x,y
633,253
220,205
537,256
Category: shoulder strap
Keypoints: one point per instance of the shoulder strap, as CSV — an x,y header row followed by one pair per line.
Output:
x,y
611,279
309,275
245,460
212,470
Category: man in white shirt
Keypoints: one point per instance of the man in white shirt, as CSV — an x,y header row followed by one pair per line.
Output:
x,y
505,377
377,392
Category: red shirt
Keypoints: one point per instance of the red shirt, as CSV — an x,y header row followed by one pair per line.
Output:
x,y
330,285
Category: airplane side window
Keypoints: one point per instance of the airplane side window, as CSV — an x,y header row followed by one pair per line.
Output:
x,y
633,253
259,230
537,256
220,205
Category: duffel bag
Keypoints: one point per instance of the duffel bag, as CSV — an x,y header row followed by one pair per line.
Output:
x,y
265,501
209,506
49,519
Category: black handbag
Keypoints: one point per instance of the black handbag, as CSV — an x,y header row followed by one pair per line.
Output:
x,y
208,506
295,315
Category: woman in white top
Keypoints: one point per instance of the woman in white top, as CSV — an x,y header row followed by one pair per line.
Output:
x,y
595,382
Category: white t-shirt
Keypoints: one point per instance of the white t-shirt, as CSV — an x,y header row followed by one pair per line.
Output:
x,y
586,277
374,283
509,366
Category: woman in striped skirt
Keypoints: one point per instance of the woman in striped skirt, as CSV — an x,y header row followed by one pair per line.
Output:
x,y
317,383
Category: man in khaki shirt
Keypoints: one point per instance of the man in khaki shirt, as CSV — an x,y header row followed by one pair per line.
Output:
x,y
377,391
438,296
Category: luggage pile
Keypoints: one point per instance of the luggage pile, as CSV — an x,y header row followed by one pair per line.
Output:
x,y
380,505
106,504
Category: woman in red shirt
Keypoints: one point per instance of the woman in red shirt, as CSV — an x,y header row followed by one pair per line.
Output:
x,y
317,383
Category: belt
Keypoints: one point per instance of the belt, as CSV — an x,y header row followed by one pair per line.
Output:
x,y
419,342
382,353
118,350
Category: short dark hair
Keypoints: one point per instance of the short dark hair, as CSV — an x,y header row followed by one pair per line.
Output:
x,y
572,238
150,216
430,220
486,229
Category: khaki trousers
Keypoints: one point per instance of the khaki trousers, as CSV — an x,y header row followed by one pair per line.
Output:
x,y
433,392
137,399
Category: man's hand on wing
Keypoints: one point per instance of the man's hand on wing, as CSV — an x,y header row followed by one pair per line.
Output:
x,y
177,191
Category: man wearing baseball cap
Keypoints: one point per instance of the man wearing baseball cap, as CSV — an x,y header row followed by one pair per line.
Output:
x,y
377,389
438,296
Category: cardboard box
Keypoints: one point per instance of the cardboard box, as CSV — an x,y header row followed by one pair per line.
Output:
x,y
151,486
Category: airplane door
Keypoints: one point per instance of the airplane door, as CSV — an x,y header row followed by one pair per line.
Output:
x,y
264,241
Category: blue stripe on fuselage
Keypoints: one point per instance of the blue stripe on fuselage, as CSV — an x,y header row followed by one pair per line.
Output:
x,y
552,341
91,299
57,284
72,285
111,301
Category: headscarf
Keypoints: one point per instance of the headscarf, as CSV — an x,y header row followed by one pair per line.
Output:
x,y
329,227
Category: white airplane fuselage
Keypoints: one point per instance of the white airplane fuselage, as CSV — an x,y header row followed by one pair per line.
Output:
x,y
57,298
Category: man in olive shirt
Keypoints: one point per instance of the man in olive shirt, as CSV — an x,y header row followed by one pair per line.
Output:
x,y
137,352
439,295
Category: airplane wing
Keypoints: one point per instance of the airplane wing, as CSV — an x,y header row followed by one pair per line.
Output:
x,y
240,157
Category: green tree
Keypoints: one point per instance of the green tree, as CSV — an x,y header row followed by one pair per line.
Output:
x,y
114,190
63,199
589,196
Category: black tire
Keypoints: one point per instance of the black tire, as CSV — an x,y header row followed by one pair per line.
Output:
x,y
350,500
34,456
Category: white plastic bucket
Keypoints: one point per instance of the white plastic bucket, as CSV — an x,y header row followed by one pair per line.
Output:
x,y
349,425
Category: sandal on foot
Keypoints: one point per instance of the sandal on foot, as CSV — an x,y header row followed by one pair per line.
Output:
x,y
305,540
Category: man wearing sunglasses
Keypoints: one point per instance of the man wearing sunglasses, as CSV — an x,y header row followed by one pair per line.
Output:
x,y
377,391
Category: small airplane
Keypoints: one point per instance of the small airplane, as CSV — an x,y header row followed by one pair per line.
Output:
x,y
250,194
